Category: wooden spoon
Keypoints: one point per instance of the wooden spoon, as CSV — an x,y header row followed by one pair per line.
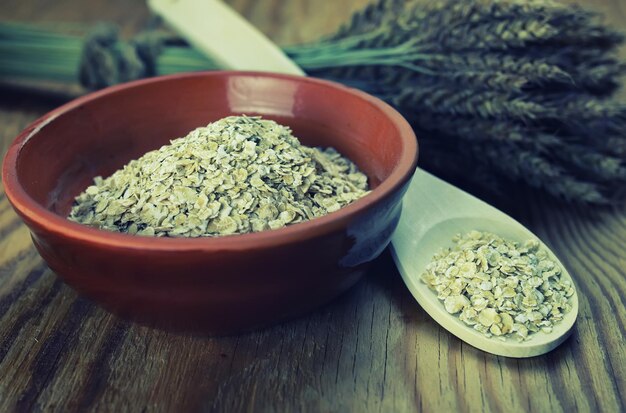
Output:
x,y
434,211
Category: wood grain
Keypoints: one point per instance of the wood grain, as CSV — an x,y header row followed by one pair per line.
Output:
x,y
373,349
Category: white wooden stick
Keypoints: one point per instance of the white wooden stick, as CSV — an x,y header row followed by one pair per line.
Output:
x,y
215,29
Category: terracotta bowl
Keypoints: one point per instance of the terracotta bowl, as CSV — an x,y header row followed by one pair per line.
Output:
x,y
215,285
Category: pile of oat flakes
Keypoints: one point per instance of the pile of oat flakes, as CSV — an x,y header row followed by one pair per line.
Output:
x,y
237,175
499,287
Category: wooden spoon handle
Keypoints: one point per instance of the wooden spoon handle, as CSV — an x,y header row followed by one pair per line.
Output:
x,y
217,30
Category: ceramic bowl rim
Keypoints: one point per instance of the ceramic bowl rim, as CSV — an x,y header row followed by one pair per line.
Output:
x,y
39,218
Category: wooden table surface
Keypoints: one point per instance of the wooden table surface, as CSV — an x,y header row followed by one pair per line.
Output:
x,y
373,349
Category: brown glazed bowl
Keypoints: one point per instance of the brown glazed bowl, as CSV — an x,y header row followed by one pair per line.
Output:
x,y
215,285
